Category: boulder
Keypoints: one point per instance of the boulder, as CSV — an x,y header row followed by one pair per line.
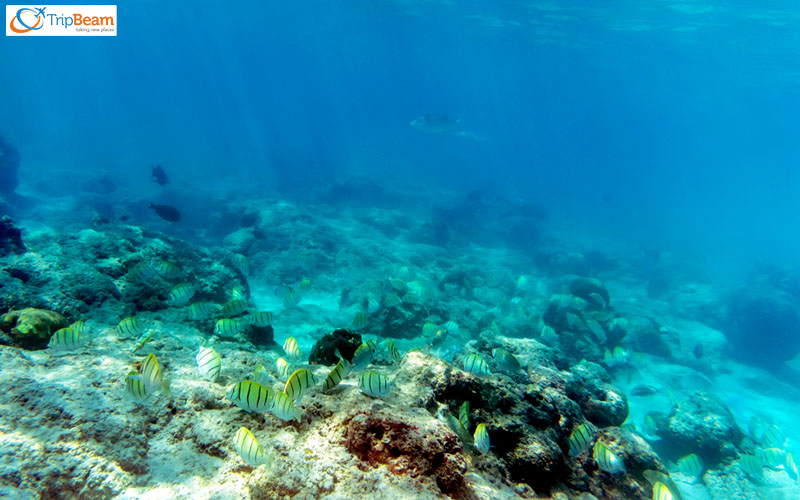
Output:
x,y
343,340
32,328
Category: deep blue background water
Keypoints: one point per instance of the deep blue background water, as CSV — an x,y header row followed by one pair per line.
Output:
x,y
670,124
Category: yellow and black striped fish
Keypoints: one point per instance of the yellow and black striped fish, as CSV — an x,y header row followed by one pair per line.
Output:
x,y
260,318
141,341
661,492
67,339
299,383
248,448
606,459
476,365
774,458
373,384
181,294
129,327
200,310
359,321
135,386
429,329
283,368
463,415
481,439
392,300
304,286
239,261
229,327
580,438
791,467
773,437
285,409
691,465
167,270
752,466
292,349
339,372
152,376
208,363
80,326
393,352
291,299
252,396
234,307
141,272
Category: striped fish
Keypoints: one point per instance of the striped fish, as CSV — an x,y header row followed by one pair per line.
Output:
x,y
580,438
167,270
141,272
261,376
251,396
238,292
398,285
229,327
200,310
429,329
299,383
452,422
606,459
283,368
392,300
129,327
791,467
411,298
463,415
142,340
481,439
363,355
291,299
80,326
208,363
340,371
451,327
373,384
152,376
239,261
690,465
260,318
304,286
284,408
661,492
180,294
135,386
66,339
234,307
773,437
774,458
476,365
292,349
359,321
393,352
248,448
373,303
752,466
548,335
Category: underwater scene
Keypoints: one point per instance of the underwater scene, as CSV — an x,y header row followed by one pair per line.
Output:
x,y
403,249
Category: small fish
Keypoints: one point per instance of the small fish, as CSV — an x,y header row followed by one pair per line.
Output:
x,y
240,262
167,212
581,438
141,272
158,175
661,492
363,355
291,299
463,415
167,270
429,329
141,341
548,335
411,298
283,368
476,365
208,363
261,376
251,396
691,465
773,437
200,310
299,383
654,476
481,439
436,123
129,327
372,303
248,448
181,294
152,376
392,300
292,349
66,339
398,285
774,458
751,465
304,286
234,307
359,321
618,356
135,386
285,409
393,352
339,372
507,362
791,467
452,422
229,327
606,459
451,327
643,390
80,326
238,292
373,384
260,318
420,289
439,337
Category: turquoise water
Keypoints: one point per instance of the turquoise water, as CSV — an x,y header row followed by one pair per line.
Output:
x,y
419,162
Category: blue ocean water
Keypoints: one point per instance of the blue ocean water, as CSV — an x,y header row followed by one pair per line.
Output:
x,y
664,128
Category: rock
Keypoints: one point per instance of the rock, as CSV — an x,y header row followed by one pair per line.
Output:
x,y
592,291
425,448
702,424
537,461
9,165
261,336
324,350
10,237
240,241
32,328
602,404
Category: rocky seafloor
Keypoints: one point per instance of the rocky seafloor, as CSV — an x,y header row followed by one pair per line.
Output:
x,y
69,429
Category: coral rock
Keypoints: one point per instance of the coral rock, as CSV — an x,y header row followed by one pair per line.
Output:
x,y
10,237
601,402
585,288
702,424
32,328
324,351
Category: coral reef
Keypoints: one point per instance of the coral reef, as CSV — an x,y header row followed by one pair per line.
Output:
x,y
343,340
31,328
10,237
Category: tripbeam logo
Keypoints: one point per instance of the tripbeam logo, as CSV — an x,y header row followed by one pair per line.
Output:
x,y
61,20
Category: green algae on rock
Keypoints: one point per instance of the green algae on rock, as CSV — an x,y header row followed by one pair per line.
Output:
x,y
31,328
